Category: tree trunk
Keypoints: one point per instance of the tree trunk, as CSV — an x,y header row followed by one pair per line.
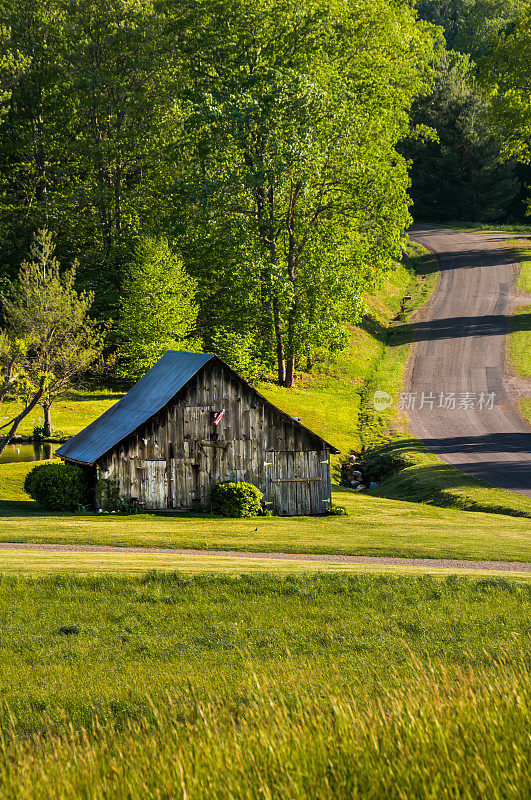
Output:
x,y
15,422
290,372
280,343
292,268
47,428
41,192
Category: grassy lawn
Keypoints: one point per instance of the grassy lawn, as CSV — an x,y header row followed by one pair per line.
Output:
x,y
520,341
70,414
38,563
522,250
373,526
520,337
329,686
487,226
525,408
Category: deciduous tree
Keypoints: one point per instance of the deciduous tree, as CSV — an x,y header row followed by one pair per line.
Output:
x,y
158,309
45,311
506,75
294,113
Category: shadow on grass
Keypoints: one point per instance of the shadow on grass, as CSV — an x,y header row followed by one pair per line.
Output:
x,y
29,508
409,479
26,508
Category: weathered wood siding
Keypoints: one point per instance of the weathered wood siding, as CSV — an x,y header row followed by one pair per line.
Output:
x,y
176,457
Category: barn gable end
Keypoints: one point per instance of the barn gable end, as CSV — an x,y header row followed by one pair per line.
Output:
x,y
216,428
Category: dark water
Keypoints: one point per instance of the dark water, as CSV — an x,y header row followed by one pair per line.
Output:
x,y
27,452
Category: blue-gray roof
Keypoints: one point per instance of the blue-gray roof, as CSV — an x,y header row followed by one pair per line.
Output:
x,y
149,395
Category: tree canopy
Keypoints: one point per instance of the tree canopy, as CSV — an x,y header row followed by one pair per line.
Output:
x,y
157,309
256,141
290,123
506,74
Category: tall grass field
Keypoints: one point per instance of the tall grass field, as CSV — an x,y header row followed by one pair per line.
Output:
x,y
323,686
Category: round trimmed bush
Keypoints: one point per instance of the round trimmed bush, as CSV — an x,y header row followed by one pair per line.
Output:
x,y
58,487
236,499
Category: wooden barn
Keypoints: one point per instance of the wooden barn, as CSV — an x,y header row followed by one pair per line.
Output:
x,y
192,422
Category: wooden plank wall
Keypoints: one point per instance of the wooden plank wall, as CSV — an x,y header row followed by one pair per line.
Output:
x,y
253,442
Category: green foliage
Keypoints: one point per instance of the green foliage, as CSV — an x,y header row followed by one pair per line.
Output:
x,y
38,433
158,310
336,511
506,76
469,25
59,487
44,309
290,144
239,352
236,499
49,340
80,146
458,175
261,138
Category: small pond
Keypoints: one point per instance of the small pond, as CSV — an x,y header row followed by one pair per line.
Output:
x,y
36,451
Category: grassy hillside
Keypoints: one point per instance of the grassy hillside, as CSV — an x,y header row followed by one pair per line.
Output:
x,y
522,250
324,686
331,400
520,337
424,478
334,402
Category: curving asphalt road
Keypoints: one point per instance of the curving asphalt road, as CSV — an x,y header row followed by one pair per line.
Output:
x,y
459,347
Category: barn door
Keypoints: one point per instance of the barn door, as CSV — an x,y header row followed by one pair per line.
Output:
x,y
183,489
298,482
153,485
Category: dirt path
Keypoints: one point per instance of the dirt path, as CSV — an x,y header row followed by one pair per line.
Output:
x,y
443,563
459,356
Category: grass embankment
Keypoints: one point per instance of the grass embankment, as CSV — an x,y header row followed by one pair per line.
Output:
x,y
323,686
520,337
520,343
486,226
374,526
423,478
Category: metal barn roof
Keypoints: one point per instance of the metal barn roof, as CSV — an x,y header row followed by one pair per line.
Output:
x,y
149,395
152,392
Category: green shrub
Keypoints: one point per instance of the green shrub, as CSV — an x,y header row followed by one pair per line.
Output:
x,y
59,487
336,511
38,433
236,499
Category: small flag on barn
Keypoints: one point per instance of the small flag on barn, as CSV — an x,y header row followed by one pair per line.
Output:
x,y
218,416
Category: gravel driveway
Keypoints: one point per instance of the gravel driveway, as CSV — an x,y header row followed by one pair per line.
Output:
x,y
459,356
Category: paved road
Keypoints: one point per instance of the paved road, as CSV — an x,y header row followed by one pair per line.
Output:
x,y
325,558
459,348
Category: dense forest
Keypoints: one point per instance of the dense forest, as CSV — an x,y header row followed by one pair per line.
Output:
x,y
234,175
